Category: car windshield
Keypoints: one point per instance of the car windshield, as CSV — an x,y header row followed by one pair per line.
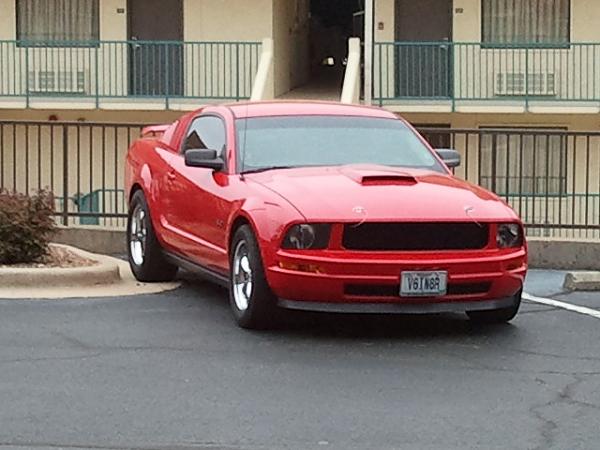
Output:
x,y
304,141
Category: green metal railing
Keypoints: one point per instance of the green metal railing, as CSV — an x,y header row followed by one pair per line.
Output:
x,y
474,71
98,71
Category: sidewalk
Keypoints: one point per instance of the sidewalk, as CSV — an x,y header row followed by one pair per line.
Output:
x,y
546,283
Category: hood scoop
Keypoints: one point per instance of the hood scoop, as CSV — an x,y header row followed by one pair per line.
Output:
x,y
377,176
388,180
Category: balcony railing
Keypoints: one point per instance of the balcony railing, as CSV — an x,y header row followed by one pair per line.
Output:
x,y
100,71
473,72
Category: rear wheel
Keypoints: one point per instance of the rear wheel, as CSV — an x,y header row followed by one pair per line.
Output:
x,y
501,315
252,302
146,258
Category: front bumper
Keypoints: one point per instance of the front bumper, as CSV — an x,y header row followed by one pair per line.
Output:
x,y
326,280
399,307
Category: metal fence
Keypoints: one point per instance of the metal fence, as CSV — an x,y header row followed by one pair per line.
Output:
x,y
104,71
81,163
550,177
468,72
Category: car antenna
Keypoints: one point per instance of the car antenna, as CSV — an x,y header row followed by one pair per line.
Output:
x,y
243,149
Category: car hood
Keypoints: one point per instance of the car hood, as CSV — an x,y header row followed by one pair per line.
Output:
x,y
380,193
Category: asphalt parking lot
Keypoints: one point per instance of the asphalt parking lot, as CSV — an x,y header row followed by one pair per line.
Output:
x,y
172,371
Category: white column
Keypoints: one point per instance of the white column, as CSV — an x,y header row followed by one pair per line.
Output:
x,y
351,87
369,36
263,71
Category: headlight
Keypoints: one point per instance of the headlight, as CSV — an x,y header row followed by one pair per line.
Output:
x,y
509,235
307,237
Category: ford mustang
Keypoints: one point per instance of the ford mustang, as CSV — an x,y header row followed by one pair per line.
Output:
x,y
322,207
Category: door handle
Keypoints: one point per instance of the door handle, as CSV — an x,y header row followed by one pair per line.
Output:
x,y
135,44
171,176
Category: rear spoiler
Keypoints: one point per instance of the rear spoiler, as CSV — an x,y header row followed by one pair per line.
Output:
x,y
155,131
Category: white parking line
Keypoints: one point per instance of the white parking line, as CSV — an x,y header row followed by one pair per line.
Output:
x,y
558,304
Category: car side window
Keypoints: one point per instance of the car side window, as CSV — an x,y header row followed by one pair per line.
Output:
x,y
206,132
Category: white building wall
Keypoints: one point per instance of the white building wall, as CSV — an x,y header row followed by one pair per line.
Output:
x,y
291,38
216,69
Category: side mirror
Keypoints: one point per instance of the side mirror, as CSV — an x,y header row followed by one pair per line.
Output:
x,y
203,158
450,157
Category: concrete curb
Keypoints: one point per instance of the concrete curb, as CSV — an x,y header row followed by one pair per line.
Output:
x,y
111,277
105,271
582,281
107,241
564,254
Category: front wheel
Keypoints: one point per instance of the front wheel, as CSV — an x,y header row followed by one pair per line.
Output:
x,y
252,302
501,315
146,258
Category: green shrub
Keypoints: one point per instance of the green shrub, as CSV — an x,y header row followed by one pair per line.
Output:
x,y
26,226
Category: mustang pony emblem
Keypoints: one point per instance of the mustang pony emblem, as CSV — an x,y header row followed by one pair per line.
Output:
x,y
361,211
468,211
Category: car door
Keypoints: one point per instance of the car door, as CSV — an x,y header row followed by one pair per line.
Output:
x,y
198,205
161,170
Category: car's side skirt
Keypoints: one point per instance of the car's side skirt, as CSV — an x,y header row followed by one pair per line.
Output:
x,y
186,264
398,307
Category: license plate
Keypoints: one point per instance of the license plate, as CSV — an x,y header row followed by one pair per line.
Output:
x,y
423,284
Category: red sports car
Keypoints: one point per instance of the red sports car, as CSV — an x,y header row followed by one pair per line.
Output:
x,y
322,207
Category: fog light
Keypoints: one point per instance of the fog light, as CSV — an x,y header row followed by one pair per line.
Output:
x,y
309,268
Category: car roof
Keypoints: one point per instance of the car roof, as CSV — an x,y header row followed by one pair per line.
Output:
x,y
305,108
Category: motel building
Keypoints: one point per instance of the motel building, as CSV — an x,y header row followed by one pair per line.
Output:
x,y
447,65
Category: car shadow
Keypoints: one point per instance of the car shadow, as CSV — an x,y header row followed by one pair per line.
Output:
x,y
383,327
302,324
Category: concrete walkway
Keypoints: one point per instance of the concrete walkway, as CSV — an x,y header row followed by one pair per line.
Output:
x,y
326,86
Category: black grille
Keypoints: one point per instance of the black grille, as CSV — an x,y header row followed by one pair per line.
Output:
x,y
415,236
468,288
393,290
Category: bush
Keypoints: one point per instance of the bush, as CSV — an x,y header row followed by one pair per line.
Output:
x,y
26,226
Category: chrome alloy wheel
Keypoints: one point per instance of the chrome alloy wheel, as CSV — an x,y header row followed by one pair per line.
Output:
x,y
242,276
138,234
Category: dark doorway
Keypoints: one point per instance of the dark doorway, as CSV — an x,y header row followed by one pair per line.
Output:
x,y
333,22
156,62
423,69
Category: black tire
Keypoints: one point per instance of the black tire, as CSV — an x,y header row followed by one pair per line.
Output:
x,y
260,312
153,266
502,315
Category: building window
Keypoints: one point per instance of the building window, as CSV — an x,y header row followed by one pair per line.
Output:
x,y
526,21
522,164
65,21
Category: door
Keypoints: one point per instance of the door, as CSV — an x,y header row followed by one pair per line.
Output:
x,y
199,208
156,61
423,59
